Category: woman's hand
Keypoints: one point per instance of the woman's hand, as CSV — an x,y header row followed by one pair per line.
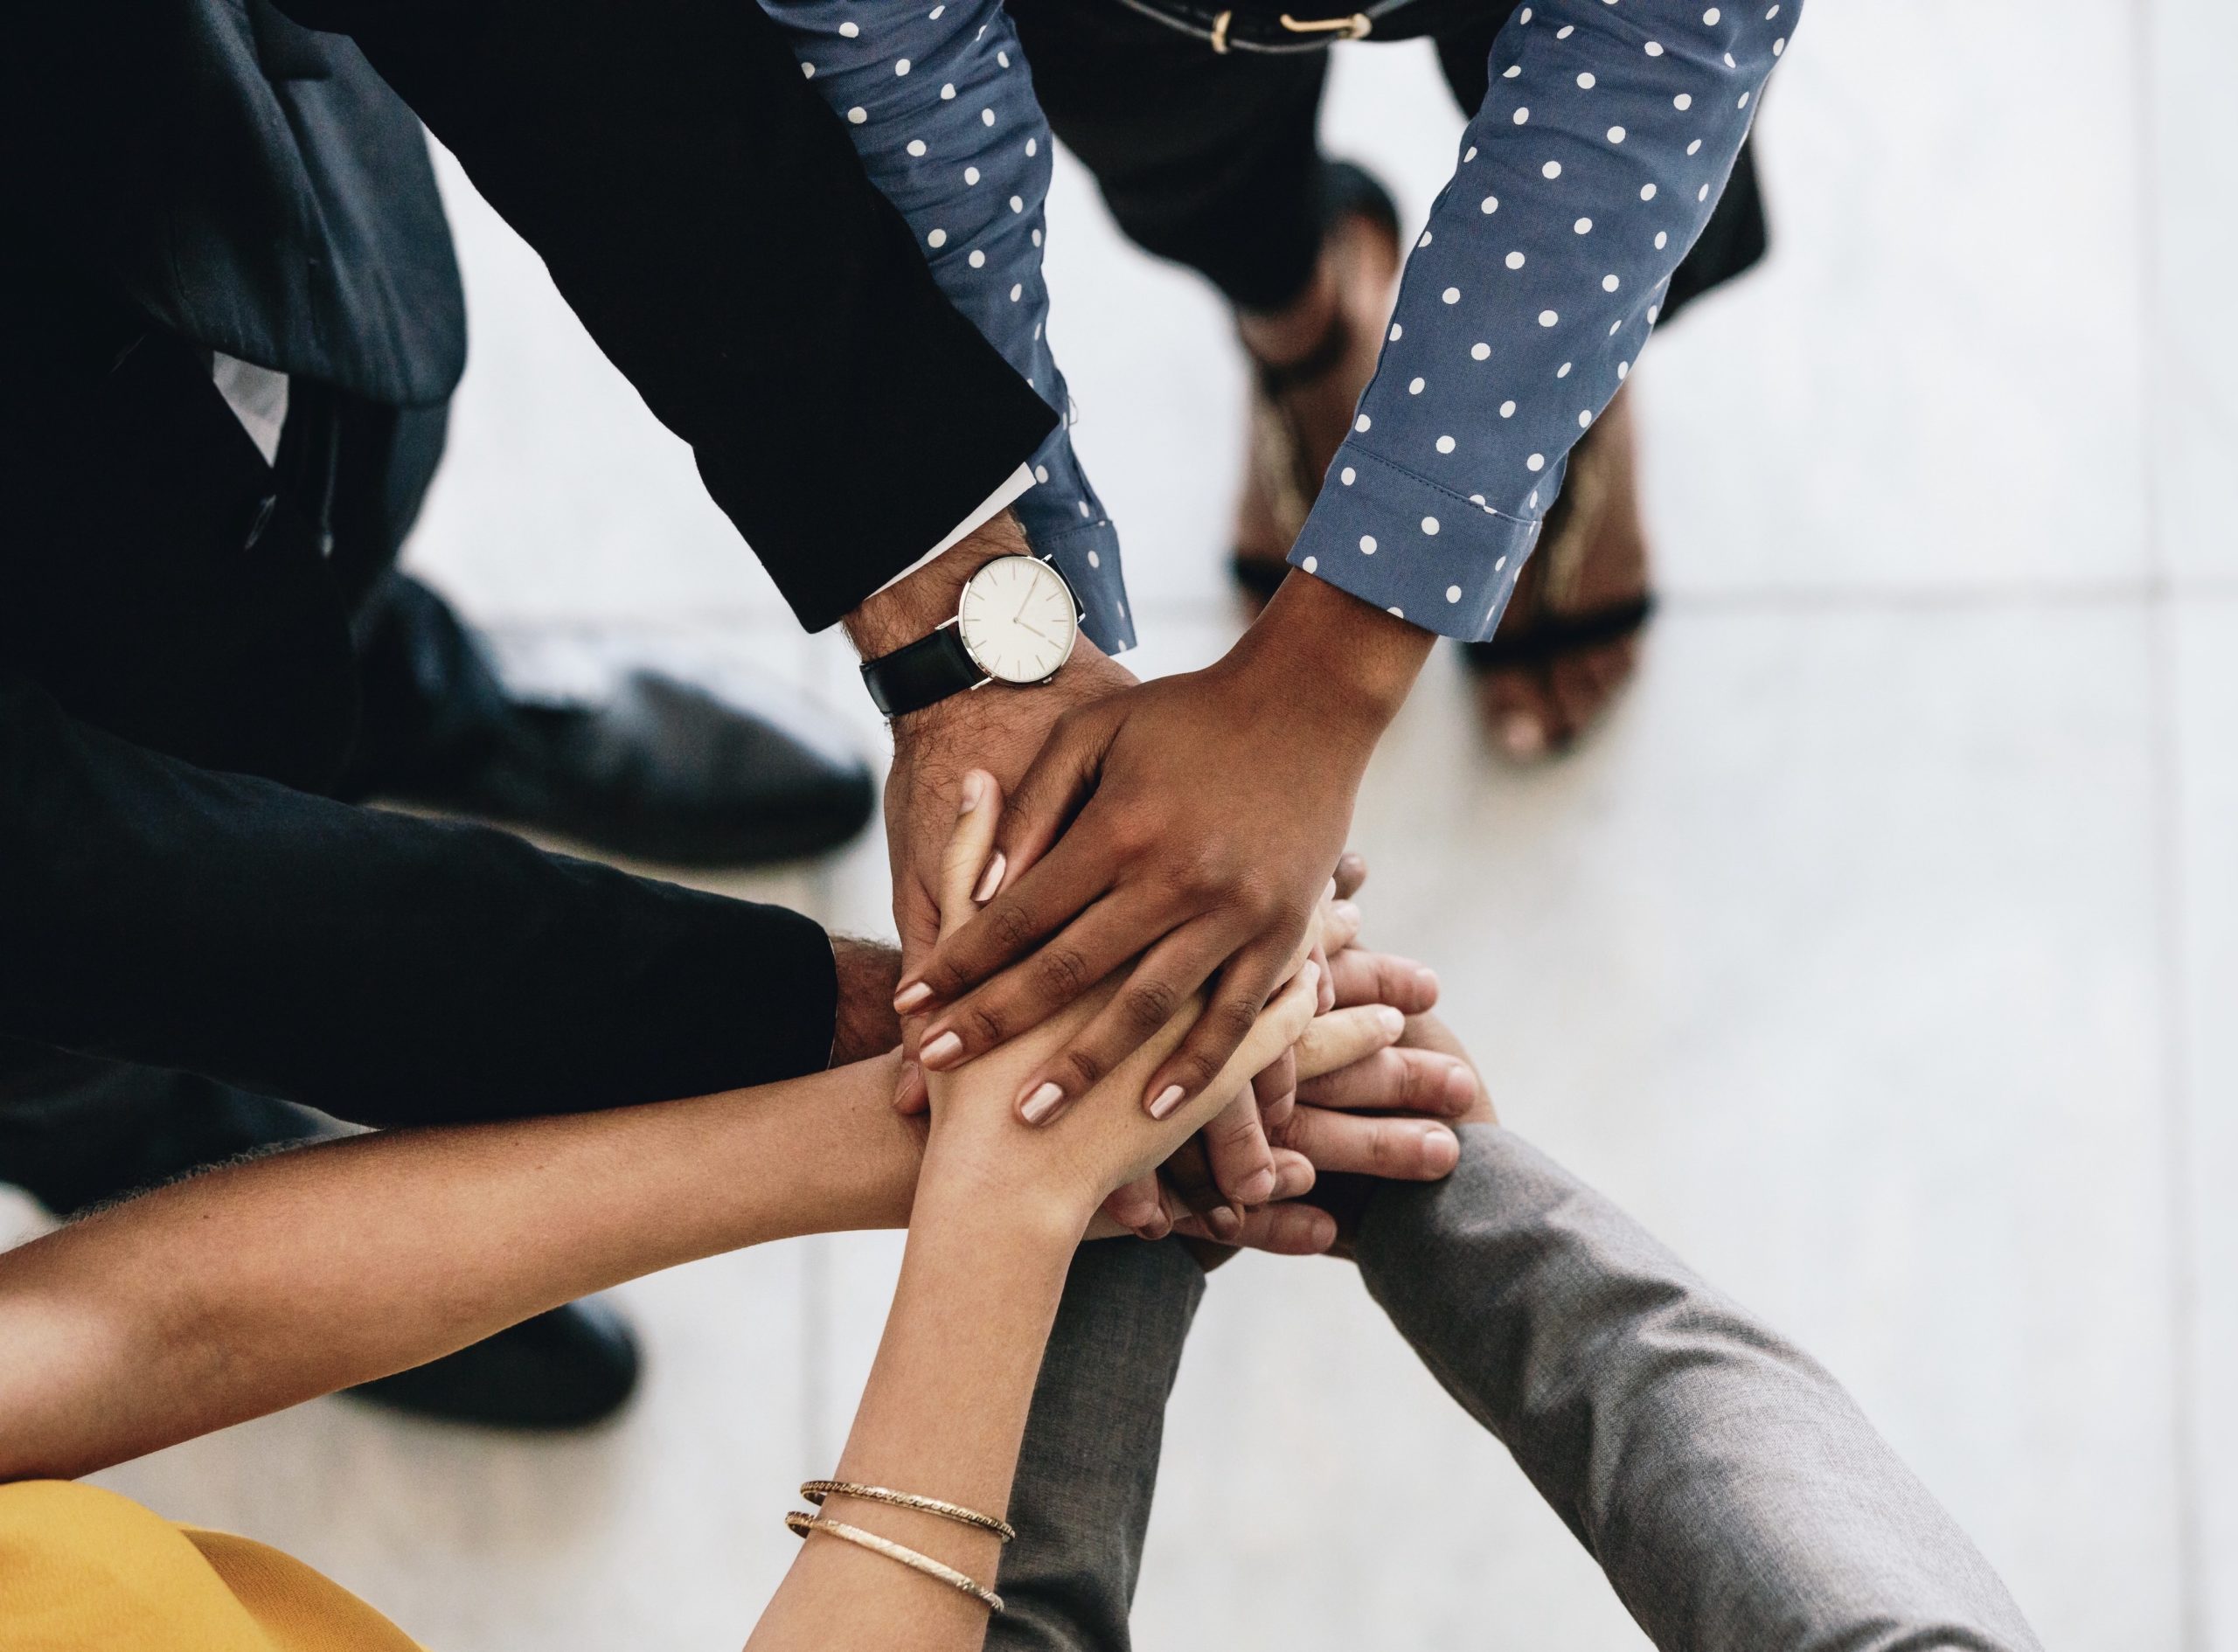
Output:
x,y
1106,1138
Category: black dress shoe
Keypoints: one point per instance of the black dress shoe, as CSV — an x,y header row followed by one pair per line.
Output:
x,y
659,769
566,1369
76,1133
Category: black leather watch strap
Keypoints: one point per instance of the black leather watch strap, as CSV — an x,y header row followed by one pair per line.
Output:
x,y
915,676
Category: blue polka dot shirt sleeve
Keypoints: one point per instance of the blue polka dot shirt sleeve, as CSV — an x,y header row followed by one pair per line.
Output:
x,y
1606,136
942,109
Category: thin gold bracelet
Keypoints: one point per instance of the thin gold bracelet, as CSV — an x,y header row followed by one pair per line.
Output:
x,y
816,1490
801,1524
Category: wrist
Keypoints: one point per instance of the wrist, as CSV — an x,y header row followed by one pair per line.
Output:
x,y
977,1187
913,607
1342,663
863,1022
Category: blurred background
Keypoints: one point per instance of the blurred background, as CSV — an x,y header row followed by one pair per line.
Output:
x,y
1881,953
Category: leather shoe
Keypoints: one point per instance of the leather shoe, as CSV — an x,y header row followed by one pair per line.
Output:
x,y
657,768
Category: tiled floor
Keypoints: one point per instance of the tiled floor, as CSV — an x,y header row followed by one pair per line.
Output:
x,y
1881,954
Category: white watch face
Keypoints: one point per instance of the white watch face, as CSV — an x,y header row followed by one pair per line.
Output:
x,y
1017,620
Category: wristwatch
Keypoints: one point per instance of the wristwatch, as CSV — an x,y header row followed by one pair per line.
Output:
x,y
1015,622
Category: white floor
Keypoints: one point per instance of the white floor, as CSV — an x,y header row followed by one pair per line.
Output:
x,y
1881,954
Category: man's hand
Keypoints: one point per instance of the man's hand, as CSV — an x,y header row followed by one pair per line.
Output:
x,y
997,728
1191,820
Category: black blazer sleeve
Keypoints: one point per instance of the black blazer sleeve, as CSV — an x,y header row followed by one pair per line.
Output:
x,y
707,219
386,968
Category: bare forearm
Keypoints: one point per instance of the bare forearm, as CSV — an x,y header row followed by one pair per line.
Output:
x,y
255,1288
942,1416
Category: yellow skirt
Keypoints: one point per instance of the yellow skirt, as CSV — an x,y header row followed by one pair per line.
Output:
x,y
83,1570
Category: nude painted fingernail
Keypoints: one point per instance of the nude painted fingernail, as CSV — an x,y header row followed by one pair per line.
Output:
x,y
1168,1099
911,997
941,1051
1390,1020
1258,1187
989,881
975,788
1042,1103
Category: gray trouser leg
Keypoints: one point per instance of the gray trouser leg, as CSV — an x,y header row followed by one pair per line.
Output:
x,y
1081,1501
1733,1492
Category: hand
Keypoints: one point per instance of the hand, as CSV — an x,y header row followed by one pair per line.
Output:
x,y
996,728
1191,821
1355,1047
976,1139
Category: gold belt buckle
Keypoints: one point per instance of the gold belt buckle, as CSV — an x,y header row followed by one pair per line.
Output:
x,y
1353,28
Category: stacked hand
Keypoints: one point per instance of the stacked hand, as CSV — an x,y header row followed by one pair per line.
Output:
x,y
1171,836
1380,1084
975,1138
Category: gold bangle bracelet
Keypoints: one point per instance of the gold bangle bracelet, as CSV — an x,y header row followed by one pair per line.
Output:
x,y
801,1524
816,1490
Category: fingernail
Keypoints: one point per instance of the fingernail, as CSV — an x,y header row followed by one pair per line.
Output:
x,y
1042,1103
1345,911
1168,1099
989,881
911,997
941,1051
1523,736
1390,1020
1224,1223
1329,891
1427,980
903,1081
1441,1148
1258,1187
1460,1085
975,788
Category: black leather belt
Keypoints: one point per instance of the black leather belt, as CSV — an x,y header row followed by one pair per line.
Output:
x,y
1226,29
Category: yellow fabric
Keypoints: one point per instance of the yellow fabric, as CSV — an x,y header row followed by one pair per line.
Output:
x,y
83,1570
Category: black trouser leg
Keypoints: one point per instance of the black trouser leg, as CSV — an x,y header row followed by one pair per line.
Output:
x,y
76,1130
1207,160
1214,160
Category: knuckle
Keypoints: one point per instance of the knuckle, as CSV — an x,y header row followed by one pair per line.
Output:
x,y
1085,1063
1148,1005
1231,1020
982,1025
1192,1071
1063,972
1008,923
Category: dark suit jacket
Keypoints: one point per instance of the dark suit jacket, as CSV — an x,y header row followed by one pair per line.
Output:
x,y
175,667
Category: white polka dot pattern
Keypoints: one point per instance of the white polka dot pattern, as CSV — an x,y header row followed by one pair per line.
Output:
x,y
939,104
1606,135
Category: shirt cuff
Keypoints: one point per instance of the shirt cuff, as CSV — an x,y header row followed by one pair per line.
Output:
x,y
1003,497
1413,548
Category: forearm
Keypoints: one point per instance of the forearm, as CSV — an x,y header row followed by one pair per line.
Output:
x,y
941,108
256,1286
704,214
1731,1490
1342,663
942,1416
384,968
1605,141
